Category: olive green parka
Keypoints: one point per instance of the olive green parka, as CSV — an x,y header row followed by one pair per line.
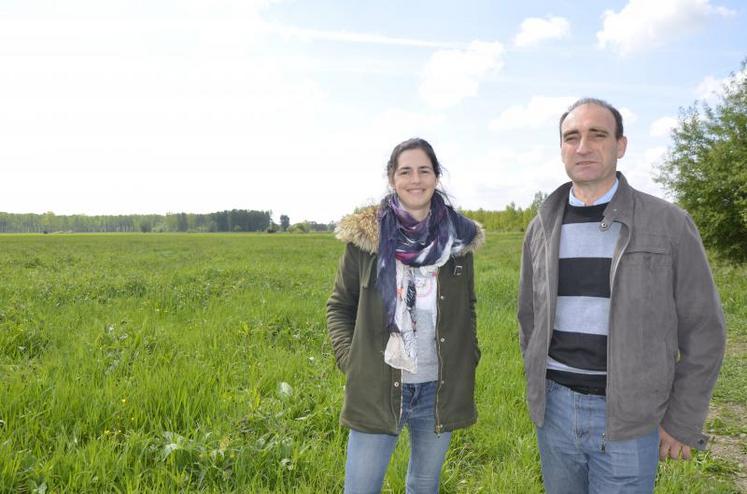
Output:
x,y
355,321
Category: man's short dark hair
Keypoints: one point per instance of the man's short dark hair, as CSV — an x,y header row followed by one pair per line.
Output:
x,y
599,102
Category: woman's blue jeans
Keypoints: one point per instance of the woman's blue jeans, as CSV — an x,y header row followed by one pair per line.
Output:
x,y
369,454
577,457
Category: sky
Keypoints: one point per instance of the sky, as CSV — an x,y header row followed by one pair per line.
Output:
x,y
134,106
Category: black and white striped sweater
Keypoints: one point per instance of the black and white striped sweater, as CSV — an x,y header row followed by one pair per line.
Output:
x,y
578,348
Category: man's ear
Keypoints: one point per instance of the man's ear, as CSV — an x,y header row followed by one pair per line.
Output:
x,y
622,145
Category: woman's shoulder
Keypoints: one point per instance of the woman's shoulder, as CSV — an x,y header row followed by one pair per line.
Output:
x,y
360,228
477,241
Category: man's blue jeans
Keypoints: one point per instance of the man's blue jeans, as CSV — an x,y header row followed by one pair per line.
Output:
x,y
578,458
369,454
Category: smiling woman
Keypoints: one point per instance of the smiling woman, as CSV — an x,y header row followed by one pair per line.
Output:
x,y
414,181
402,323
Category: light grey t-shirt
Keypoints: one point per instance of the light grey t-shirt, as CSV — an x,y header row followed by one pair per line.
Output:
x,y
426,287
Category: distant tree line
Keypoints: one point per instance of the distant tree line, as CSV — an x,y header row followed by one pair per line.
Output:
x,y
310,227
235,220
511,219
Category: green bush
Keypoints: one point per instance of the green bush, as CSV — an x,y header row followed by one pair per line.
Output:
x,y
706,168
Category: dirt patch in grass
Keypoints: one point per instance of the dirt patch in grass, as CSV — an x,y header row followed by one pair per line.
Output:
x,y
732,447
736,347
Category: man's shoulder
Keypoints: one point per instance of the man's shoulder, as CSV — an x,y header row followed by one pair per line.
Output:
x,y
656,207
533,227
658,217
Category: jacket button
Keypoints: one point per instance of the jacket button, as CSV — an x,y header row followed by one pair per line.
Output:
x,y
396,384
443,339
443,382
442,297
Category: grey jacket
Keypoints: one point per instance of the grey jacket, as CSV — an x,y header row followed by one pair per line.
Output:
x,y
666,327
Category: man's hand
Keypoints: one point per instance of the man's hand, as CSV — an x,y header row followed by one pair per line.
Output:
x,y
669,447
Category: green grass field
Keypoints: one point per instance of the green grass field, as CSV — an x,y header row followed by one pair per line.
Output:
x,y
167,363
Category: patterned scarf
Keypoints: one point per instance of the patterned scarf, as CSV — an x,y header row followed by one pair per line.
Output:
x,y
443,233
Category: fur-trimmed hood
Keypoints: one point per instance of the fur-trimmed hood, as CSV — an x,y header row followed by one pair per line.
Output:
x,y
362,230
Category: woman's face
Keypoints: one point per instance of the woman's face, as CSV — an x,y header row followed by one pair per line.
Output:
x,y
414,181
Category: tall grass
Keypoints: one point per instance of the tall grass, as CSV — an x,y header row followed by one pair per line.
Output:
x,y
162,363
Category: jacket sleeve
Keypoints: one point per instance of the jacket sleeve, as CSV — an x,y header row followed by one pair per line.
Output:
x,y
525,305
473,303
701,335
342,306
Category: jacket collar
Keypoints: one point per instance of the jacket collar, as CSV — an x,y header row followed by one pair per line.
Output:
x,y
361,228
620,208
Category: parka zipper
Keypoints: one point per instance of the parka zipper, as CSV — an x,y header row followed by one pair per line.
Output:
x,y
438,351
401,402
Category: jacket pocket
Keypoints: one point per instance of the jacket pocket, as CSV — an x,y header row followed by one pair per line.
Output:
x,y
645,273
650,257
649,249
644,391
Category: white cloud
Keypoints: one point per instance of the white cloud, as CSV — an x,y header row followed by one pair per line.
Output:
x,y
661,127
138,114
653,156
711,89
539,112
642,24
513,173
508,173
640,167
542,111
395,125
453,75
356,37
535,30
628,115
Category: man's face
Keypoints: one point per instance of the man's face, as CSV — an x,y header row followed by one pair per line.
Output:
x,y
588,146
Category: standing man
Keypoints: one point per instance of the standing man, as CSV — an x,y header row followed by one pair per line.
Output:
x,y
621,327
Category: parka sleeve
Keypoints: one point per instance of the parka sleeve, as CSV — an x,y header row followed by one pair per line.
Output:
x,y
525,313
473,303
701,335
342,306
